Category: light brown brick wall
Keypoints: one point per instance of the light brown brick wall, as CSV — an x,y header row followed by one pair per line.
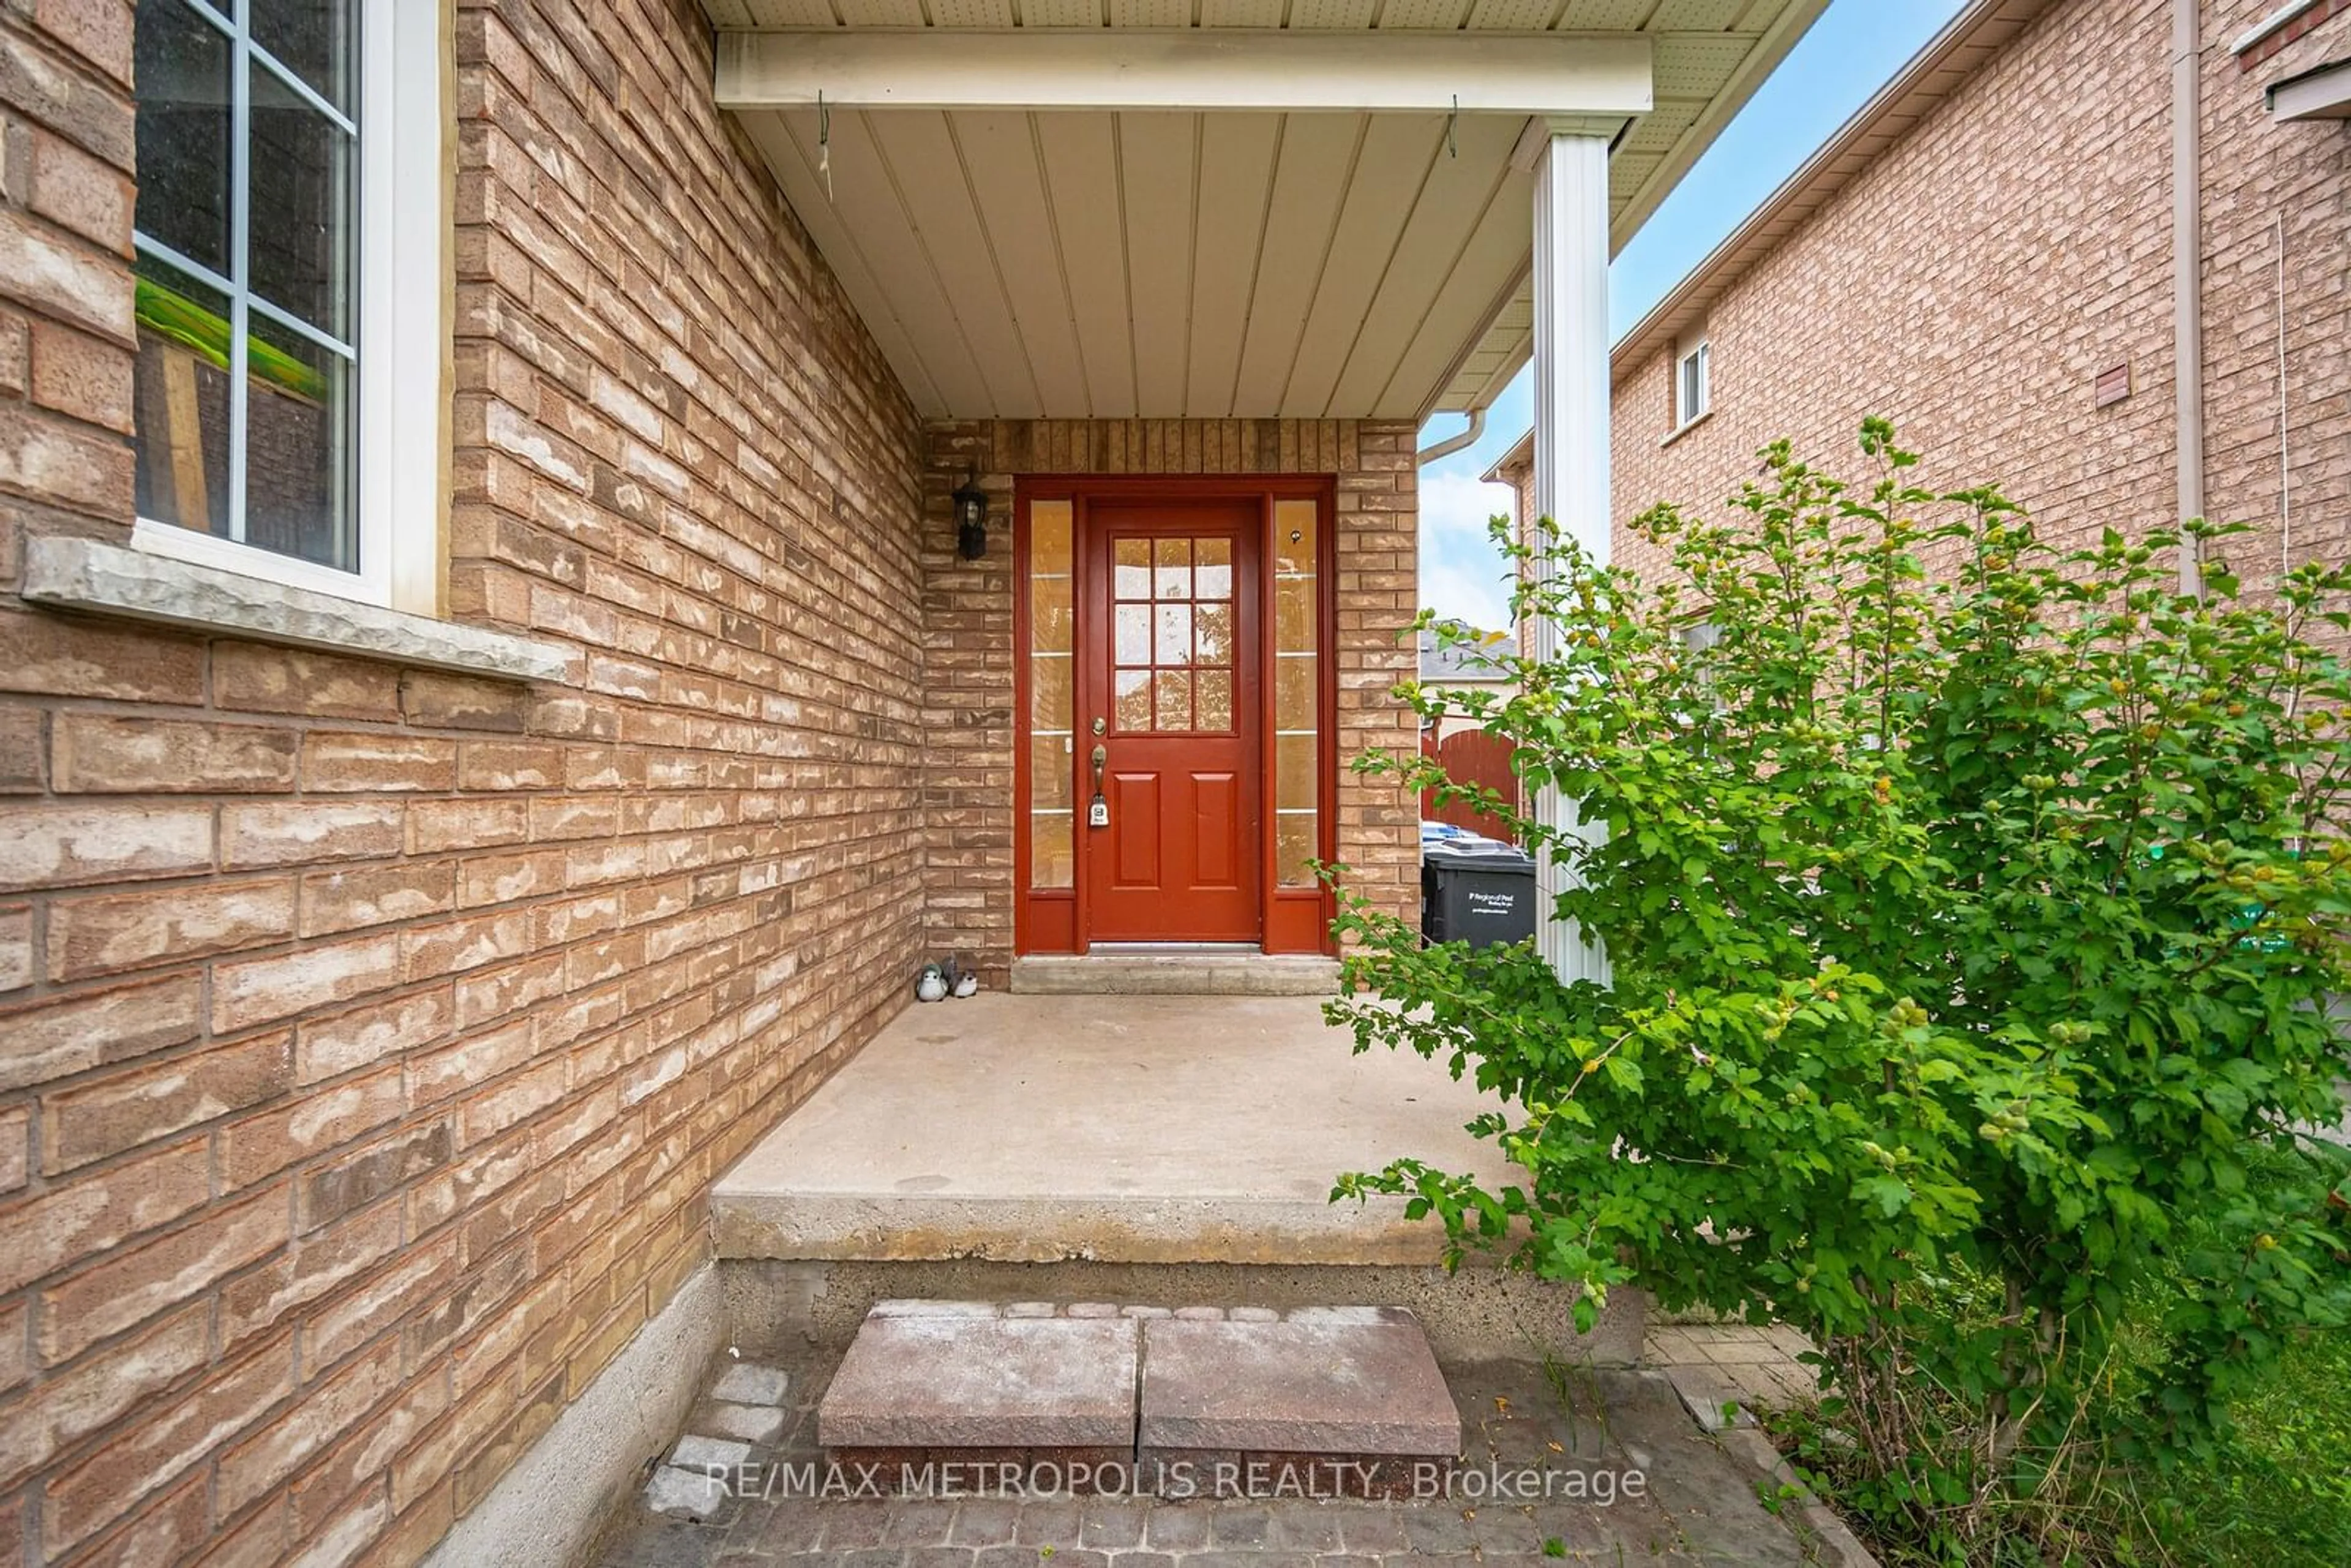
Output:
x,y
1968,285
1976,279
369,1037
2256,172
967,613
1520,477
66,195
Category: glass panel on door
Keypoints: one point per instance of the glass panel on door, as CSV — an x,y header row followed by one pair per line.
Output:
x,y
1052,698
1172,636
1296,695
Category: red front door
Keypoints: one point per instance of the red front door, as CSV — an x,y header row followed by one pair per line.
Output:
x,y
1170,713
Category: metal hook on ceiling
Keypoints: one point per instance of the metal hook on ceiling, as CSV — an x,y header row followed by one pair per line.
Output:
x,y
824,142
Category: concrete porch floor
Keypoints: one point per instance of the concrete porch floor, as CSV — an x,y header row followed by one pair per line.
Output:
x,y
1126,1129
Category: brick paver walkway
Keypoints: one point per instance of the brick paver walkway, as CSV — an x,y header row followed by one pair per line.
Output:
x,y
1712,1365
1632,1478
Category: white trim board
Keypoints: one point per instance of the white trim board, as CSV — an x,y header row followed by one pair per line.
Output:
x,y
1193,72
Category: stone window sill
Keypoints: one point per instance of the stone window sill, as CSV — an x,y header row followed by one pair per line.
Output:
x,y
1685,427
2270,26
68,573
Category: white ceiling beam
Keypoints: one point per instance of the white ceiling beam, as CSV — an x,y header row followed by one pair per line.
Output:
x,y
1198,71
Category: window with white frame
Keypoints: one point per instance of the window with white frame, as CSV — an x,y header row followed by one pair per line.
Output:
x,y
287,244
1690,381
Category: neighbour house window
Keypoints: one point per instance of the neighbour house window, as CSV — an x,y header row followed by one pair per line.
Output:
x,y
1690,382
1700,638
282,241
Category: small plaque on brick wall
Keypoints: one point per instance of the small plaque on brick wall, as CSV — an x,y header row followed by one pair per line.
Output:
x,y
2112,386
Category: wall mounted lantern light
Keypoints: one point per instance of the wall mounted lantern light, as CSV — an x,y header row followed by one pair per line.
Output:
x,y
971,519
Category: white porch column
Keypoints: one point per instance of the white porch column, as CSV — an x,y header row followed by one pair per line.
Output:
x,y
1571,369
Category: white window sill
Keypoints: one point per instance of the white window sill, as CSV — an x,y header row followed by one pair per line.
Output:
x,y
1685,427
70,573
2292,11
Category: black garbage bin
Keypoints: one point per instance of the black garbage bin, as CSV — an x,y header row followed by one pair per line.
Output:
x,y
1476,891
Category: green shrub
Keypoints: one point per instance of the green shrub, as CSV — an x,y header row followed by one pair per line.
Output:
x,y
1968,931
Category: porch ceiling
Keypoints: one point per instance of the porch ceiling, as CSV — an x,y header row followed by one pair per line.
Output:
x,y
1121,262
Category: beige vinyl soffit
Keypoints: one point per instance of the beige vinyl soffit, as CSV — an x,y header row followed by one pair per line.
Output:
x,y
1216,221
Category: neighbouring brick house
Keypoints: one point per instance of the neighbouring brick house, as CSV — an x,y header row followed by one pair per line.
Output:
x,y
535,592
1985,254
1516,468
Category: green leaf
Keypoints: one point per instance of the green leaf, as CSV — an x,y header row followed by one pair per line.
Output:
x,y
1891,1195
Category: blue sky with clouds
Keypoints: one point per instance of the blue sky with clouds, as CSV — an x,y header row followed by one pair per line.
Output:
x,y
1849,53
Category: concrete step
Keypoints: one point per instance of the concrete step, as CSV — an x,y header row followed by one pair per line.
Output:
x,y
1353,1394
1175,973
932,1382
1335,1401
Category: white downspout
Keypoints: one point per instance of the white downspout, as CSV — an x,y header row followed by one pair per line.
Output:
x,y
1466,436
2188,276
2286,450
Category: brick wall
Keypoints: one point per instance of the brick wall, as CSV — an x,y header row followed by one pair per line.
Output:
x,y
1978,278
2257,173
65,198
1971,285
967,614
1520,477
369,1036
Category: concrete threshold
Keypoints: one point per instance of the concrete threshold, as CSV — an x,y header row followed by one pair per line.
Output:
x,y
1175,972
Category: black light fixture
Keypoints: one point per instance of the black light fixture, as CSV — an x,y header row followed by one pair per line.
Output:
x,y
971,519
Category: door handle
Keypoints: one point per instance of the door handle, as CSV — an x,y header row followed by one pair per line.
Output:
x,y
1098,813
1102,761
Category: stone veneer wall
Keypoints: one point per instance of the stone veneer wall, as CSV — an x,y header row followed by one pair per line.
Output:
x,y
369,1037
967,619
1976,279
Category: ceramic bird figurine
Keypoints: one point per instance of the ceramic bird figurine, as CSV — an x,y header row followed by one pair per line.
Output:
x,y
933,985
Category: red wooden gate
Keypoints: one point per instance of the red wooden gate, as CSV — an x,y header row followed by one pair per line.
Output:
x,y
1471,756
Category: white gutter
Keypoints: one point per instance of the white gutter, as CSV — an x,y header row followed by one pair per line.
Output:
x,y
2187,279
1467,436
